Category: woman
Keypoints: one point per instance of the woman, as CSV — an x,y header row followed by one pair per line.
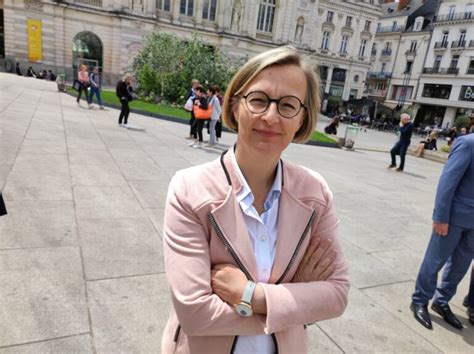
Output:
x,y
83,78
124,93
331,128
216,113
428,144
250,242
200,103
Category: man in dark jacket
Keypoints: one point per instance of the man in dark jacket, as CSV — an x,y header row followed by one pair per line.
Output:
x,y
124,94
401,146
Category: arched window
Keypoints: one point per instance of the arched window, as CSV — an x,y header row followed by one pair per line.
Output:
x,y
87,48
266,15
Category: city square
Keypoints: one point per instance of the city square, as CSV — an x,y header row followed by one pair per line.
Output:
x,y
84,247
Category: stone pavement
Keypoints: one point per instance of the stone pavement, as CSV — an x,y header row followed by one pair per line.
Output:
x,y
81,266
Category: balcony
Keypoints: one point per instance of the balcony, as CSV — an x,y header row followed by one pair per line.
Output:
x,y
379,75
460,16
443,45
390,29
461,44
441,71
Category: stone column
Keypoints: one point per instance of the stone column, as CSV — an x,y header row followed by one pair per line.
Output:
x,y
198,6
328,79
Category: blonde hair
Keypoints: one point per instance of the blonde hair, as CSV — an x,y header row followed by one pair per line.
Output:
x,y
285,55
127,77
82,65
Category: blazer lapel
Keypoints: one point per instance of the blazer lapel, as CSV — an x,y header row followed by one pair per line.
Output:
x,y
292,220
229,219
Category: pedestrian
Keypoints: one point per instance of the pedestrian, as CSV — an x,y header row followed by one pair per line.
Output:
x,y
30,72
452,237
83,78
469,299
201,114
18,69
3,209
401,146
192,96
250,242
216,113
95,87
428,144
219,122
331,128
124,93
51,76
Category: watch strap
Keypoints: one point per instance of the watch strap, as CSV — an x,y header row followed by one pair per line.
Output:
x,y
248,292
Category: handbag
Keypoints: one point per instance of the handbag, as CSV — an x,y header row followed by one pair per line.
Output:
x,y
76,85
188,106
200,113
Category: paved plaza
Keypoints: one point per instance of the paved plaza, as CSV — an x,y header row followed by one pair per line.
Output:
x,y
81,262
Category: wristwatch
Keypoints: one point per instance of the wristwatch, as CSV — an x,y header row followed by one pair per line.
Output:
x,y
244,307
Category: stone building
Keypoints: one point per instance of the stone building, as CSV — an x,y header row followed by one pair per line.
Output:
x,y
335,35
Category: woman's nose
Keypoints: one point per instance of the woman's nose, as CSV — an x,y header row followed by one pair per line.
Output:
x,y
271,115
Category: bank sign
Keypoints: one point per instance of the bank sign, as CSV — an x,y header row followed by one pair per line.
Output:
x,y
467,93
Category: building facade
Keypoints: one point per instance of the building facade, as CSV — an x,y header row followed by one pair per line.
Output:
x,y
109,33
446,87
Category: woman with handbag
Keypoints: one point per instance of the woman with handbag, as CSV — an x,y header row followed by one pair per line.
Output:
x,y
124,94
202,112
251,246
83,78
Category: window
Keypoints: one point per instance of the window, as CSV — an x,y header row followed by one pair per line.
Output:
x,y
374,49
329,16
380,86
418,25
451,11
304,4
468,11
345,40
186,7
454,62
437,62
379,26
163,5
266,14
462,37
356,78
209,10
325,42
408,67
413,45
437,91
387,45
467,93
363,44
470,69
401,92
445,38
348,21
384,66
394,25
367,26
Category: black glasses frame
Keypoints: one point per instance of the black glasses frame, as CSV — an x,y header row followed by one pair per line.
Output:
x,y
270,100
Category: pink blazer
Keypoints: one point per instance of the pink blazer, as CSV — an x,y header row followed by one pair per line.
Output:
x,y
204,226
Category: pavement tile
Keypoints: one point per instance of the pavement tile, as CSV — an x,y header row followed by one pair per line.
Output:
x,y
38,224
141,170
124,247
104,202
319,342
152,194
90,157
367,327
96,175
156,216
41,291
74,344
129,314
396,299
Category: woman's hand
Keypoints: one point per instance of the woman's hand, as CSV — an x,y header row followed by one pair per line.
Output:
x,y
316,265
228,282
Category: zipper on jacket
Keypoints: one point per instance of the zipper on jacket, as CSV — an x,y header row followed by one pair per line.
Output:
x,y
228,246
298,247
176,333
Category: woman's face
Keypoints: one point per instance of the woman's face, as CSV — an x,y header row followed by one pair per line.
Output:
x,y
269,132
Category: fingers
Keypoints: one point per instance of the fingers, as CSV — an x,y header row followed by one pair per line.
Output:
x,y
323,268
310,250
318,253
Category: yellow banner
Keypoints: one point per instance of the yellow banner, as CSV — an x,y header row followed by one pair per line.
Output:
x,y
35,45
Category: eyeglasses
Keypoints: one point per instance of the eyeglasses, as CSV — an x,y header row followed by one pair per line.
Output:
x,y
258,102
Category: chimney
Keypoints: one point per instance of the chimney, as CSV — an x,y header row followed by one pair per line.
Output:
x,y
402,4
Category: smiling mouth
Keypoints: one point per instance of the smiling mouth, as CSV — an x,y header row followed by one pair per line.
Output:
x,y
267,133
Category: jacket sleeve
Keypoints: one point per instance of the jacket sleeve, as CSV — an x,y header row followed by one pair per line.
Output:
x,y
188,271
292,304
454,170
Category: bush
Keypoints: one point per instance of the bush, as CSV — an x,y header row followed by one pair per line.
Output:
x,y
445,148
462,122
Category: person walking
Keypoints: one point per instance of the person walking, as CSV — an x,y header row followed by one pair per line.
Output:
x,y
95,87
192,96
219,122
452,237
18,69
401,146
124,93
216,113
83,78
201,114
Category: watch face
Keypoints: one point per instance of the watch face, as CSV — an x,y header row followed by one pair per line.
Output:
x,y
244,310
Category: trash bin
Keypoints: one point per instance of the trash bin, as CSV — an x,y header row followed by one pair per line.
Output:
x,y
61,82
350,136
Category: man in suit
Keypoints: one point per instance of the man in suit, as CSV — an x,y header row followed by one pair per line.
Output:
x,y
401,146
452,240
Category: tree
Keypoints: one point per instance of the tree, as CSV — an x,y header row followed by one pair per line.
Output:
x,y
462,122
